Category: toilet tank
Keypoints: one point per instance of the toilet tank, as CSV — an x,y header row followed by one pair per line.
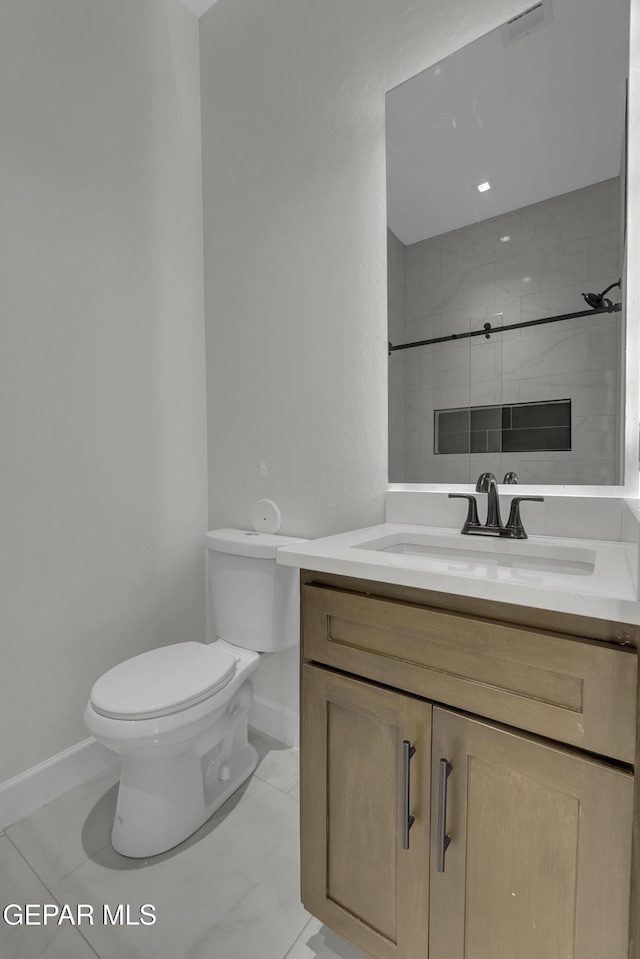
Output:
x,y
254,602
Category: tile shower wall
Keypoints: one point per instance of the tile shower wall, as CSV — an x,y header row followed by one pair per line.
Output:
x,y
531,263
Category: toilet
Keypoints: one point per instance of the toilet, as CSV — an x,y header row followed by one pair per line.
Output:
x,y
178,715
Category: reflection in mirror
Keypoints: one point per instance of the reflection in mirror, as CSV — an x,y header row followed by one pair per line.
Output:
x,y
506,251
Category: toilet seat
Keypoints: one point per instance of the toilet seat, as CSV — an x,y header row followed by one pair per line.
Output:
x,y
163,681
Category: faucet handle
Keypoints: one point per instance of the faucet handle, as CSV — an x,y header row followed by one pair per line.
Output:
x,y
514,527
472,521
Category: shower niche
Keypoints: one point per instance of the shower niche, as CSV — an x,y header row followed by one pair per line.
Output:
x,y
504,428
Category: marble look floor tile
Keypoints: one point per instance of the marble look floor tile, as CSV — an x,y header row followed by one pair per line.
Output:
x,y
319,942
19,884
231,890
59,837
278,764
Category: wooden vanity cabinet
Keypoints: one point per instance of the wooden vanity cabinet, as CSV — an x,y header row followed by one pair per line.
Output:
x,y
540,853
520,846
356,875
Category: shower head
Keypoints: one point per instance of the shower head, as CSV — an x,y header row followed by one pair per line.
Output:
x,y
597,300
594,299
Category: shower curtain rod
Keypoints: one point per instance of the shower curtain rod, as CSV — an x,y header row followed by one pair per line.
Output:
x,y
487,329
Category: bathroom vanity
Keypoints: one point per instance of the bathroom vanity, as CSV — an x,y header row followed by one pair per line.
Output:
x,y
469,707
467,764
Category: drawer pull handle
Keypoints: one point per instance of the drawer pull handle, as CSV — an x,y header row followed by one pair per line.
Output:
x,y
407,819
443,840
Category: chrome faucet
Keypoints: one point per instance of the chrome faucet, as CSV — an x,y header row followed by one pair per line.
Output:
x,y
494,526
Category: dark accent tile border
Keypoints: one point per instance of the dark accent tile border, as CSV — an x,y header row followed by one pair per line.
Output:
x,y
516,427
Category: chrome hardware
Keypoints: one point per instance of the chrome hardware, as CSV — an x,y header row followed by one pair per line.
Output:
x,y
510,477
442,839
407,819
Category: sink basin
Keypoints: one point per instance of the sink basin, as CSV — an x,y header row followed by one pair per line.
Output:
x,y
587,577
469,552
597,578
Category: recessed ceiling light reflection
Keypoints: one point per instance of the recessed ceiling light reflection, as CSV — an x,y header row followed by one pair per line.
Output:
x,y
484,187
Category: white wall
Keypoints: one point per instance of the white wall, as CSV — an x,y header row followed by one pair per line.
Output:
x,y
102,396
102,408
295,251
295,244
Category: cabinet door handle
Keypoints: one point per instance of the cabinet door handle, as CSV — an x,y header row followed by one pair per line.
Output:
x,y
407,819
443,839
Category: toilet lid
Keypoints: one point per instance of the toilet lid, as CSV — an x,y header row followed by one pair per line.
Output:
x,y
162,681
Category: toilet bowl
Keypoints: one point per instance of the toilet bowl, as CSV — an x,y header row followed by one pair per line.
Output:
x,y
178,715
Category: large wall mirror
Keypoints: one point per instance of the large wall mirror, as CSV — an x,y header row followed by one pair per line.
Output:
x,y
506,173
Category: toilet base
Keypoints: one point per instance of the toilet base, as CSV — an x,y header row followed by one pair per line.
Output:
x,y
167,791
161,802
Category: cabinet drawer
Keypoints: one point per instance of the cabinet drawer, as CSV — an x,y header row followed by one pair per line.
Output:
x,y
575,691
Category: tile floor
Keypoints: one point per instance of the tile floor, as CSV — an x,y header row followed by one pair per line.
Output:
x,y
228,892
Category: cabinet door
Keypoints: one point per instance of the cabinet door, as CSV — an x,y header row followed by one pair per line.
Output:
x,y
538,863
357,877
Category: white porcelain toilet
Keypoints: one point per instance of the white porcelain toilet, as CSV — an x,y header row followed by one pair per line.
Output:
x,y
178,715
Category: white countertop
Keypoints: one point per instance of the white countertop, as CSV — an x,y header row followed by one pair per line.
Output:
x,y
607,588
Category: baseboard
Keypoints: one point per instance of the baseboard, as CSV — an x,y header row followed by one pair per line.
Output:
x,y
274,720
34,788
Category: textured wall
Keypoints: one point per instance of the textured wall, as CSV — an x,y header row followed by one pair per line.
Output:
x,y
293,97
102,396
295,245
